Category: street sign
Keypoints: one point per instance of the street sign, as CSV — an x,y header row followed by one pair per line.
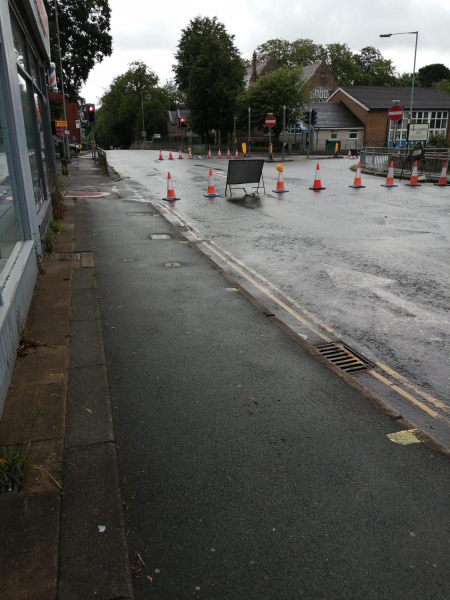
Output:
x,y
77,124
271,121
144,133
395,113
157,136
60,123
418,132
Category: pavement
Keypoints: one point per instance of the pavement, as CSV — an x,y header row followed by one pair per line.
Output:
x,y
247,466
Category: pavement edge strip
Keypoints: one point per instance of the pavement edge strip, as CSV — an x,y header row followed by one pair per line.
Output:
x,y
349,379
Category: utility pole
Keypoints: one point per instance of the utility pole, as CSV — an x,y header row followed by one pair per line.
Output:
x,y
284,125
144,133
249,130
65,140
309,132
235,134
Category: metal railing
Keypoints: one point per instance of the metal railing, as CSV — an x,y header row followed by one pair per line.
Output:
x,y
102,160
378,159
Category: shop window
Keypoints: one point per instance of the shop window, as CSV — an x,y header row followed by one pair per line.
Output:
x,y
10,228
20,45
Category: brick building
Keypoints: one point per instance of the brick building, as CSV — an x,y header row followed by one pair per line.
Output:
x,y
72,112
371,103
320,81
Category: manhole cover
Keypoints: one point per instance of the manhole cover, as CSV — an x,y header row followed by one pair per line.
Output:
x,y
344,357
172,264
68,255
160,236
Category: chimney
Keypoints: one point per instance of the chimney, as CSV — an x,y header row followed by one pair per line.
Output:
x,y
254,73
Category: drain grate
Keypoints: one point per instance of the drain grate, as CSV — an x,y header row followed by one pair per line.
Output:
x,y
160,236
68,255
13,485
344,357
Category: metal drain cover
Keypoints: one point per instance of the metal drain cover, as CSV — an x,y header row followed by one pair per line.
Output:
x,y
344,357
13,485
172,264
68,255
160,236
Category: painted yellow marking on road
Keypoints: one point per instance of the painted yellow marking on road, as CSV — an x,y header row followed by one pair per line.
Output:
x,y
405,438
267,293
399,390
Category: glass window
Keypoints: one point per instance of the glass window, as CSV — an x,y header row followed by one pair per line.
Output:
x,y
333,135
325,93
20,45
316,93
10,229
31,140
34,69
352,135
39,106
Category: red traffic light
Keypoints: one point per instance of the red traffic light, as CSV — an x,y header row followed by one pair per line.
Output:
x,y
182,120
91,108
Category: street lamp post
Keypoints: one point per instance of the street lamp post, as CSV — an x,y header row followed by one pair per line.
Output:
x,y
416,33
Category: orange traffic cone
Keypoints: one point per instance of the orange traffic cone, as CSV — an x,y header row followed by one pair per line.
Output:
x,y
317,185
390,177
219,154
190,153
170,155
236,154
171,197
443,177
180,156
349,155
228,153
357,182
209,153
280,184
414,182
160,155
211,191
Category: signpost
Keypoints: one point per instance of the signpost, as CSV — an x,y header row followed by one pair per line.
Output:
x,y
270,122
418,132
395,114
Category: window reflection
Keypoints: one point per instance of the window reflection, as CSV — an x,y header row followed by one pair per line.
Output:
x,y
19,44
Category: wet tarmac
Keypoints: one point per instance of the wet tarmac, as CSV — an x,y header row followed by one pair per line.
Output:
x,y
371,263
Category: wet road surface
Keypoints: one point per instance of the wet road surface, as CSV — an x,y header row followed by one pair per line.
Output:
x,y
373,264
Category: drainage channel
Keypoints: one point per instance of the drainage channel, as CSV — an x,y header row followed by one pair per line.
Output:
x,y
344,357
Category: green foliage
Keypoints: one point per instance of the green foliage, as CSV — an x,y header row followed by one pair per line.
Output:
x,y
432,74
210,71
284,86
372,68
84,32
341,62
56,227
438,140
301,52
444,86
57,196
405,80
48,241
176,98
119,119
12,462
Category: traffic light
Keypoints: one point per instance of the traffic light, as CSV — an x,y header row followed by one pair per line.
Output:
x,y
91,113
313,117
306,117
288,114
183,122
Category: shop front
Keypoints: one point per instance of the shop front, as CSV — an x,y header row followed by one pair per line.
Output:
x,y
27,166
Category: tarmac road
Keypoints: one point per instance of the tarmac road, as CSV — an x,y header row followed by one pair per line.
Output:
x,y
372,264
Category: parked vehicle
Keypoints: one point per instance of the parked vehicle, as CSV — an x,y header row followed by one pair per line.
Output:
x,y
74,148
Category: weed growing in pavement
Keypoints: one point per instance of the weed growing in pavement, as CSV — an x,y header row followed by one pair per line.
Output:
x,y
48,241
12,463
56,227
25,342
57,196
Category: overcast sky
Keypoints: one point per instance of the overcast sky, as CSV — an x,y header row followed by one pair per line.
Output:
x,y
149,31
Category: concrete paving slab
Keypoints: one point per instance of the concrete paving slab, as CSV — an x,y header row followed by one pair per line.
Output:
x,y
84,305
84,279
86,345
42,365
88,416
87,260
94,557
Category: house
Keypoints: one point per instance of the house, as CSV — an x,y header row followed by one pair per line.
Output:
x,y
371,103
258,69
320,81
72,113
178,122
335,124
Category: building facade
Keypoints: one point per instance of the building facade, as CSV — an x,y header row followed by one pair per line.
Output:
x,y
320,80
371,103
27,165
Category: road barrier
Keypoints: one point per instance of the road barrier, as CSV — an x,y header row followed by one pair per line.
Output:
x,y
245,171
102,160
379,160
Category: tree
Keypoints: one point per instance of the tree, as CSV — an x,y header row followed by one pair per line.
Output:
x,y
84,32
177,98
444,85
405,80
301,52
342,63
373,69
119,119
284,86
431,74
210,72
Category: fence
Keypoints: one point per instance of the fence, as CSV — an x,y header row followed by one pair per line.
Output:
x,y
102,160
379,159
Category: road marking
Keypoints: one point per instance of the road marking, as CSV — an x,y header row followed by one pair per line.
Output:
x,y
399,390
405,438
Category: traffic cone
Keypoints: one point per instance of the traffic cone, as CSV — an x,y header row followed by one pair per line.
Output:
x,y
180,156
414,182
171,197
280,184
228,153
211,191
219,154
190,153
357,182
160,155
390,177
236,154
443,177
349,155
317,185
170,155
209,153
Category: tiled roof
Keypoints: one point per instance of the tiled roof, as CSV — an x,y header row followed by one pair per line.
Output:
x,y
249,71
309,70
335,115
382,96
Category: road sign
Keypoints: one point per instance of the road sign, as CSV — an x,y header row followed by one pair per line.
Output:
x,y
271,121
144,133
157,136
60,123
77,124
418,132
395,113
